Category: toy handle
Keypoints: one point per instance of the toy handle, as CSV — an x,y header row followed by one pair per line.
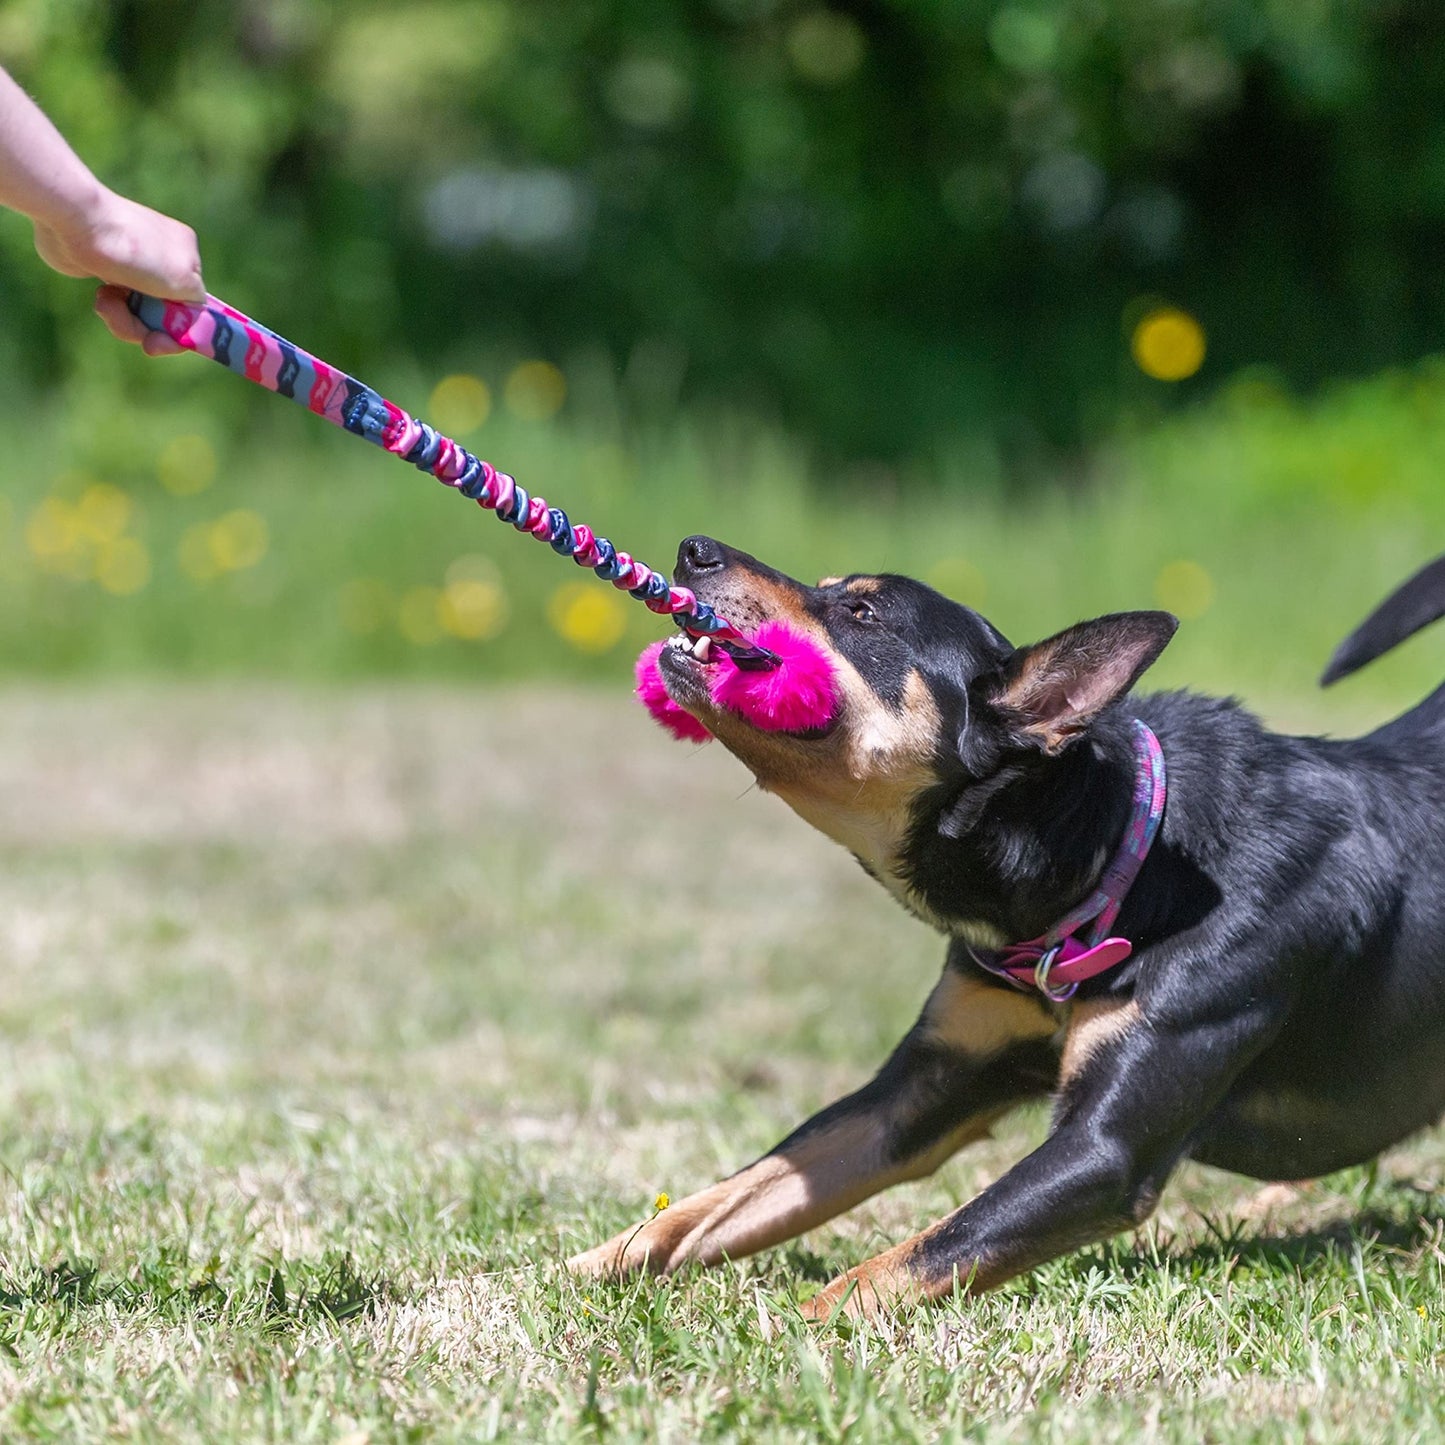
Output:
x,y
230,337
213,329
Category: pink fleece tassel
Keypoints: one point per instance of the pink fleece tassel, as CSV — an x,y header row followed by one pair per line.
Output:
x,y
665,713
800,693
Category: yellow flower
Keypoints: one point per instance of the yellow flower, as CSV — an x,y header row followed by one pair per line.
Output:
x,y
663,1200
1421,1311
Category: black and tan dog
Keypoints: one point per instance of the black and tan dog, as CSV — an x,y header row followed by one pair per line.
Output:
x,y
1282,1015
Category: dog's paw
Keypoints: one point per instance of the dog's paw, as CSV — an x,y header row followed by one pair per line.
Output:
x,y
623,1254
861,1294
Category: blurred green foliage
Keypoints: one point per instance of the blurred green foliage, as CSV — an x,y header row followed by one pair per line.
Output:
x,y
153,543
894,227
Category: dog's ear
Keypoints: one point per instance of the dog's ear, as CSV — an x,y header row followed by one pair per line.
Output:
x,y
1048,694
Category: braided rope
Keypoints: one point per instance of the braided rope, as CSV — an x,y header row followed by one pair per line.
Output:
x,y
249,349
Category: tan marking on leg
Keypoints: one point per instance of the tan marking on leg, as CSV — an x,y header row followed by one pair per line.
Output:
x,y
778,1198
980,1019
775,1199
1094,1025
868,1290
893,1280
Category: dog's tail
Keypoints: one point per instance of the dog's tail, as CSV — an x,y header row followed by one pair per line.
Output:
x,y
1416,604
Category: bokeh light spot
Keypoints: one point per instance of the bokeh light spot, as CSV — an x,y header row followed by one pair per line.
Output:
x,y
535,391
122,566
589,617
958,578
238,540
825,48
472,609
194,553
648,92
367,605
1168,344
417,617
187,465
1185,589
102,512
52,530
459,404
473,567
1025,40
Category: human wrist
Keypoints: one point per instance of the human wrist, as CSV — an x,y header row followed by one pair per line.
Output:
x,y
74,205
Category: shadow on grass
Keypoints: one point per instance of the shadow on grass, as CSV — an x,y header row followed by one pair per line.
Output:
x,y
1404,1221
332,1289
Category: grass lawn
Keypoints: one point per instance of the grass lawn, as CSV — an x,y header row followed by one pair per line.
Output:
x,y
334,1020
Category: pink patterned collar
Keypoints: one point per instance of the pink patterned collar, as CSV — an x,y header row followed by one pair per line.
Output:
x,y
1058,962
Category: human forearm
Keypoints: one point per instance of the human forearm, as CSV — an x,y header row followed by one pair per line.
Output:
x,y
40,176
83,228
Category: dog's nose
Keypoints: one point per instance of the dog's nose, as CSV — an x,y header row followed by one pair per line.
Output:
x,y
697,555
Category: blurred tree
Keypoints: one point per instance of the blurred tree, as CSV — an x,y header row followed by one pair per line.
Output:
x,y
891,224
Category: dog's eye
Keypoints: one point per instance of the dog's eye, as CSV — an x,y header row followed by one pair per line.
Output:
x,y
862,612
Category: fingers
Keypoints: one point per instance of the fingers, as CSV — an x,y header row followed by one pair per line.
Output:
x,y
132,245
153,254
111,308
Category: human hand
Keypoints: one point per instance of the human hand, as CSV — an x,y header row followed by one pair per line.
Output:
x,y
130,247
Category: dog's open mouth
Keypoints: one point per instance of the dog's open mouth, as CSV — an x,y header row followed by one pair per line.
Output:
x,y
695,649
797,696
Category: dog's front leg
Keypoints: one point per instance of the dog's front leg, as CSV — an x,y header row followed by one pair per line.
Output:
x,y
978,1049
1123,1121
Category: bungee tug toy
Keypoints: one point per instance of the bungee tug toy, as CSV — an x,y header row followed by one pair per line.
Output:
x,y
777,680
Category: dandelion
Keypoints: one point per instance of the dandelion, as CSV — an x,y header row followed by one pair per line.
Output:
x,y
661,1202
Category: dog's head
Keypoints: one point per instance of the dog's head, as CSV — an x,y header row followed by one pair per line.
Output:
x,y
933,701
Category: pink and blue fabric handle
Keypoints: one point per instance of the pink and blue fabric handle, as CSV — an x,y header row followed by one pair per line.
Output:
x,y
257,353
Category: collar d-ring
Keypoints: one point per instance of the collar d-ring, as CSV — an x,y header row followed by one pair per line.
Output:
x,y
1041,977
